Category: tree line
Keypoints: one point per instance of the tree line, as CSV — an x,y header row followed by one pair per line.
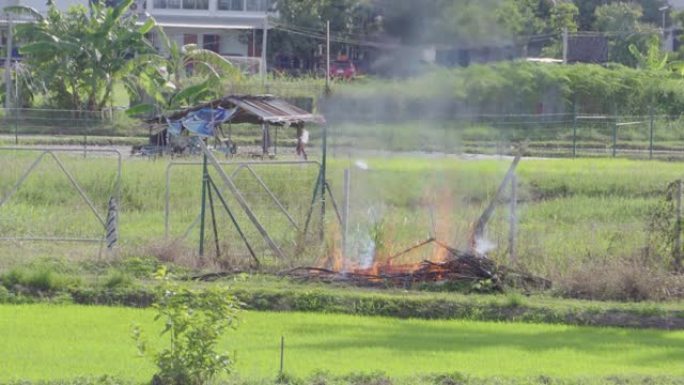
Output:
x,y
75,59
469,23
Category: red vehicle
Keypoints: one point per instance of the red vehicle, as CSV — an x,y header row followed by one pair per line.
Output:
x,y
342,69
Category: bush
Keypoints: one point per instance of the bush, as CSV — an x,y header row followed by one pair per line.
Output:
x,y
510,88
41,279
193,320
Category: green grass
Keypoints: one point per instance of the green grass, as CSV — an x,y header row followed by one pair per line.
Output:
x,y
61,342
570,210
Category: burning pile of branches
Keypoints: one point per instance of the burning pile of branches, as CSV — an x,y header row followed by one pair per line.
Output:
x,y
456,266
449,265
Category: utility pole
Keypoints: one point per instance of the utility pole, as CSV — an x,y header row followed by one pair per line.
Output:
x,y
663,10
565,45
8,63
327,54
264,47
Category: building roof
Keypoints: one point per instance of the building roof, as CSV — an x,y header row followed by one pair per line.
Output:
x,y
254,109
210,22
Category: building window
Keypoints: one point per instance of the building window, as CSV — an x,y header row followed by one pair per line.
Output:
x,y
258,5
167,4
189,38
231,5
195,4
211,42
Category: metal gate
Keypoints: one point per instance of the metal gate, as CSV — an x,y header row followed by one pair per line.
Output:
x,y
260,208
106,221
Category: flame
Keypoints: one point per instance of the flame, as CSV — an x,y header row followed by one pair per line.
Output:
x,y
443,221
383,264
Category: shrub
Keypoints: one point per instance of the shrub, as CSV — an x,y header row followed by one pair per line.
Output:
x,y
193,320
140,267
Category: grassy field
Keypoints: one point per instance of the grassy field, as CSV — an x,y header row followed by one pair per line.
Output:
x,y
61,342
570,211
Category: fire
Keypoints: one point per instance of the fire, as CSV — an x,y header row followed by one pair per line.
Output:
x,y
385,258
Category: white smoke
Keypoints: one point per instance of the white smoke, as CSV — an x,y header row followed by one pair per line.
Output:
x,y
484,246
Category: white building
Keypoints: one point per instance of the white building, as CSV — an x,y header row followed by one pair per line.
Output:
x,y
227,27
676,4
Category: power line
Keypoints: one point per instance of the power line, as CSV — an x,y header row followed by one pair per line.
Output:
x,y
365,43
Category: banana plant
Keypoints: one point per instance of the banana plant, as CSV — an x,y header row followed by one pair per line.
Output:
x,y
79,55
178,76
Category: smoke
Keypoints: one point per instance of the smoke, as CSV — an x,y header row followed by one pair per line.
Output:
x,y
484,246
361,165
368,232
366,251
421,118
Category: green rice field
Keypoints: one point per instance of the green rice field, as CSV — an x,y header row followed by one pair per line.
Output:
x,y
44,342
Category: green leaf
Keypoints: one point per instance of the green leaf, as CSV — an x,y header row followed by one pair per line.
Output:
x,y
37,48
149,24
140,109
189,94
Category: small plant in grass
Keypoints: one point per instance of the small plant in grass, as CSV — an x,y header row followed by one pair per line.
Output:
x,y
194,320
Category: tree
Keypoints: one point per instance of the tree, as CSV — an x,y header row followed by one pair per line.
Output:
x,y
562,17
177,77
621,22
300,25
524,17
587,17
653,58
76,57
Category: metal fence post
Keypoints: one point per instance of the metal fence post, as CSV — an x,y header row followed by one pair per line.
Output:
x,y
345,210
650,136
615,127
205,180
324,165
513,220
16,127
574,130
677,252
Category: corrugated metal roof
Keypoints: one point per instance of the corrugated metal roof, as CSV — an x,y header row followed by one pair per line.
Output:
x,y
258,109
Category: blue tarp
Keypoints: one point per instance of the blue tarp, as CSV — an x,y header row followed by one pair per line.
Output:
x,y
201,122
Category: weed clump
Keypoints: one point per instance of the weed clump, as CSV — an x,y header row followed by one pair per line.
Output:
x,y
116,279
620,280
38,280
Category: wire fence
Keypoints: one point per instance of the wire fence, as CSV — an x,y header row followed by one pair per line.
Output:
x,y
548,135
392,203
553,135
